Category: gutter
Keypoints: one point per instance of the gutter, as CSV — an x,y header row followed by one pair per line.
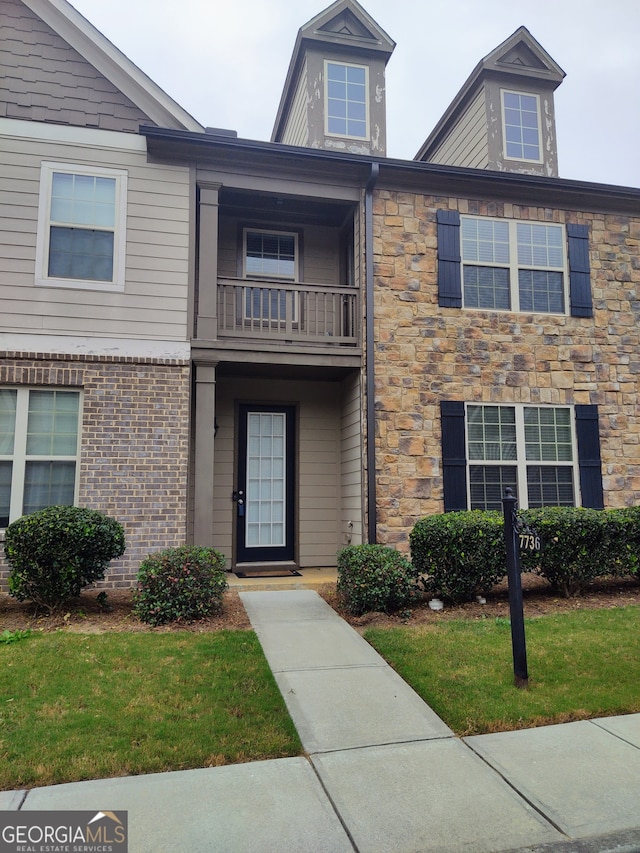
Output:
x,y
417,176
372,530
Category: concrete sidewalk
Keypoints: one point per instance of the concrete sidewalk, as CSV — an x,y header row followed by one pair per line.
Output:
x,y
383,773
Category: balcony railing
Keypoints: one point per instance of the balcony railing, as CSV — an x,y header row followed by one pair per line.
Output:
x,y
300,313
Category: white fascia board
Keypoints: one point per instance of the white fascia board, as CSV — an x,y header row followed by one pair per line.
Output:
x,y
108,60
114,347
71,135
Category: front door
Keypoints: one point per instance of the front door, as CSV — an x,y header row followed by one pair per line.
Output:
x,y
265,495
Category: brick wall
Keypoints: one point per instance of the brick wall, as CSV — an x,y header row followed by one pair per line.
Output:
x,y
425,354
134,445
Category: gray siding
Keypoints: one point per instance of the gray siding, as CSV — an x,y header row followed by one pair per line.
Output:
x,y
319,459
47,80
154,303
319,245
297,130
467,142
351,461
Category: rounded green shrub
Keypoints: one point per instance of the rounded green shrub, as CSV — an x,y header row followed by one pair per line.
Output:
x,y
622,541
180,585
459,555
55,552
375,578
580,545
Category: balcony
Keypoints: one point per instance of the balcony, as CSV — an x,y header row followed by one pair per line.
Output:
x,y
288,312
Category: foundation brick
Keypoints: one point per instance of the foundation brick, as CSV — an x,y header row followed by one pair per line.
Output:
x,y
134,446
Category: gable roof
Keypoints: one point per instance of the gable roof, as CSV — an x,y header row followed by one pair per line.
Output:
x,y
113,64
520,56
344,24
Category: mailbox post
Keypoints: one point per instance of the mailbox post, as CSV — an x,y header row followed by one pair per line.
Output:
x,y
518,643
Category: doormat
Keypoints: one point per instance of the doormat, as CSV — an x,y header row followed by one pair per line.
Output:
x,y
270,573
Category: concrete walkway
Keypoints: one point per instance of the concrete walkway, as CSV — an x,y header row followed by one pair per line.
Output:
x,y
383,773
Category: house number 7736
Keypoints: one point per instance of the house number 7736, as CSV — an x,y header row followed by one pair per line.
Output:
x,y
529,542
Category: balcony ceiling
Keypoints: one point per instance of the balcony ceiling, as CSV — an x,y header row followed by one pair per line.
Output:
x,y
282,208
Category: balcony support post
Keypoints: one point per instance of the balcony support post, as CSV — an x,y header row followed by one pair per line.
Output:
x,y
207,301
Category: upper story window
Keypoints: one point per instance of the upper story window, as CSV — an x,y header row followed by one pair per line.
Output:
x,y
513,265
81,227
39,450
346,99
504,264
521,124
271,254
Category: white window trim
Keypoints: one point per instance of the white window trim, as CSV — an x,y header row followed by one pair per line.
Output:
x,y
521,462
19,456
267,278
513,266
42,278
328,132
506,156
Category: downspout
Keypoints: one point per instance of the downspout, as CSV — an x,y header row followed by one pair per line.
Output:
x,y
372,531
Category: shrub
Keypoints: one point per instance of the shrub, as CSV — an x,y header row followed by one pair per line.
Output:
x,y
57,551
180,585
459,554
375,577
573,546
622,541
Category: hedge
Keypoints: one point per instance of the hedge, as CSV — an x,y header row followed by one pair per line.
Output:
x,y
459,555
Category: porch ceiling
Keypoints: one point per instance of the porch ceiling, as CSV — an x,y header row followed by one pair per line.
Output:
x,y
310,373
270,206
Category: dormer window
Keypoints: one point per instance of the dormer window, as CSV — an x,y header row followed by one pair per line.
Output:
x,y
521,125
346,99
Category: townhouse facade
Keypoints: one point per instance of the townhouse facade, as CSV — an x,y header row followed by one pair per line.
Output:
x,y
303,343
94,364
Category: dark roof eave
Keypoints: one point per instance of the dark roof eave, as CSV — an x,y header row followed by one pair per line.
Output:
x,y
410,174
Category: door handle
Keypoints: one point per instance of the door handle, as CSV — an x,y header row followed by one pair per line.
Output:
x,y
238,497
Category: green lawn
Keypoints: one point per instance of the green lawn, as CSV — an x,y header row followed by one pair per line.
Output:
x,y
76,706
582,664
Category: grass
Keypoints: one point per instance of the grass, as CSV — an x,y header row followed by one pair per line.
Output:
x,y
581,665
76,706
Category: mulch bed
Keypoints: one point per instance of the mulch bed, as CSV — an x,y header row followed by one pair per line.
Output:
x,y
86,615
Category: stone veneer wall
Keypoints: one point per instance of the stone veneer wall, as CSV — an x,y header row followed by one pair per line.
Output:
x,y
134,445
425,354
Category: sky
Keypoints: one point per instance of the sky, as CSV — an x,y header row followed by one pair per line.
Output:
x,y
225,62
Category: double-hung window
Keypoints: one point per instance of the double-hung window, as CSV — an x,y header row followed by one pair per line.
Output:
x,y
346,99
81,227
513,265
521,126
548,455
527,448
39,450
269,255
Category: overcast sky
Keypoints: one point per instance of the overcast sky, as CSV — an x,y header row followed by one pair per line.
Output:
x,y
225,62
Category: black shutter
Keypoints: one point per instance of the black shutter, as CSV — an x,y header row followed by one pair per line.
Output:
x,y
449,276
579,271
454,459
589,462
